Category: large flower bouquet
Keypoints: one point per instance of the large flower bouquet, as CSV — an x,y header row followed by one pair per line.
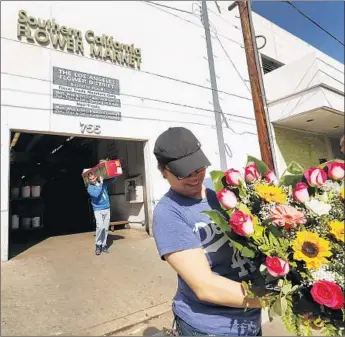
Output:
x,y
292,229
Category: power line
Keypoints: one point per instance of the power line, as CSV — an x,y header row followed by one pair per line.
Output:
x,y
169,7
314,22
132,69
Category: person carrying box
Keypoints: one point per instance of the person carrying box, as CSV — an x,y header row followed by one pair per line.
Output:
x,y
98,191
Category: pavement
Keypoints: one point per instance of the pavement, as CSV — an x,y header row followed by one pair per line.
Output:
x,y
59,287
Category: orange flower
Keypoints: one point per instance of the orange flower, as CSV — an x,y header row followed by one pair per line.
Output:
x,y
287,216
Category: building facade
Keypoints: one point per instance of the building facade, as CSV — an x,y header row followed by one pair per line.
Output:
x,y
129,70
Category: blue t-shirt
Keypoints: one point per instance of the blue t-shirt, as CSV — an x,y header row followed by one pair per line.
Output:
x,y
99,194
179,224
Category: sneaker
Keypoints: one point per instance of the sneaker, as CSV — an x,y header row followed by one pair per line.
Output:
x,y
105,249
98,250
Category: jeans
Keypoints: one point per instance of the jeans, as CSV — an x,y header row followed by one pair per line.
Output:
x,y
102,226
184,329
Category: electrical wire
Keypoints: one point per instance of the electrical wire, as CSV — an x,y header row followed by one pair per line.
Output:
x,y
314,22
132,69
169,7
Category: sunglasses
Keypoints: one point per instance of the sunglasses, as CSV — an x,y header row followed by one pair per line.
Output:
x,y
181,178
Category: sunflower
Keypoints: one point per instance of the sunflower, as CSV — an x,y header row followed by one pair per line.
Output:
x,y
337,229
271,193
311,249
342,193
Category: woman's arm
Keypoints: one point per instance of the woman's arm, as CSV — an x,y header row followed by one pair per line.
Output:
x,y
193,267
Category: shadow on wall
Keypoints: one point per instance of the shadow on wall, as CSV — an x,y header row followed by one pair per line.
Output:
x,y
302,147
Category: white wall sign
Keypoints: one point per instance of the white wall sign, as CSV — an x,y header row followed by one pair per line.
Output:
x,y
82,94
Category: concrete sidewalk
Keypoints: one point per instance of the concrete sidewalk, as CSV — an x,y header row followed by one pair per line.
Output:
x,y
59,287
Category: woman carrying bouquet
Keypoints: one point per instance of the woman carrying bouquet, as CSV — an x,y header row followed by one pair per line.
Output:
x,y
210,299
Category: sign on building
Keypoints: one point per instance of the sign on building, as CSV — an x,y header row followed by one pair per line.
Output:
x,y
82,94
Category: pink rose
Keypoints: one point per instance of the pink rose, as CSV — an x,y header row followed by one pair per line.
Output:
x,y
287,216
233,177
316,177
300,192
271,177
251,173
336,170
241,223
227,198
277,266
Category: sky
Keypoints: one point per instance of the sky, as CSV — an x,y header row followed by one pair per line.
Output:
x,y
329,14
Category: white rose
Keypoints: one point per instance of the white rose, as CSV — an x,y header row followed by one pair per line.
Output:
x,y
318,207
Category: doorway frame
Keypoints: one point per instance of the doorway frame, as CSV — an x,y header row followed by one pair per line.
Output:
x,y
5,175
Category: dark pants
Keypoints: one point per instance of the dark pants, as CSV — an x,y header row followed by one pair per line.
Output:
x,y
184,329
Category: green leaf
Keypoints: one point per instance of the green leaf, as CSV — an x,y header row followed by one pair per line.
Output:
x,y
258,231
294,288
218,219
264,248
283,304
242,190
280,305
275,231
236,244
244,251
262,167
273,240
230,212
286,288
295,168
292,174
243,208
291,179
217,177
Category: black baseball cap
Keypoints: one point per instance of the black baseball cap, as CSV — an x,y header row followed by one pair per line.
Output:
x,y
180,151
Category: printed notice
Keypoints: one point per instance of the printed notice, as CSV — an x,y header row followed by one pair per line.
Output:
x,y
82,94
71,110
78,79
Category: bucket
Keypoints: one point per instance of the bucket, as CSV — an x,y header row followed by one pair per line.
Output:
x,y
15,221
35,222
15,192
26,223
35,191
26,191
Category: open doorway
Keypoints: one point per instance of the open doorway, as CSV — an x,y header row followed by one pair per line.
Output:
x,y
48,196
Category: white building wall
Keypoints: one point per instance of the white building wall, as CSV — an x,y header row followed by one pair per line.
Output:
x,y
171,89
290,89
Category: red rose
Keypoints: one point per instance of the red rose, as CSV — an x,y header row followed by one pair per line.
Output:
x,y
300,192
336,170
227,198
271,178
316,177
328,293
241,223
251,173
233,177
277,266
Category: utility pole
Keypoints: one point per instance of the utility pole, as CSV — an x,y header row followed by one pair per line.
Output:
x,y
254,77
214,87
